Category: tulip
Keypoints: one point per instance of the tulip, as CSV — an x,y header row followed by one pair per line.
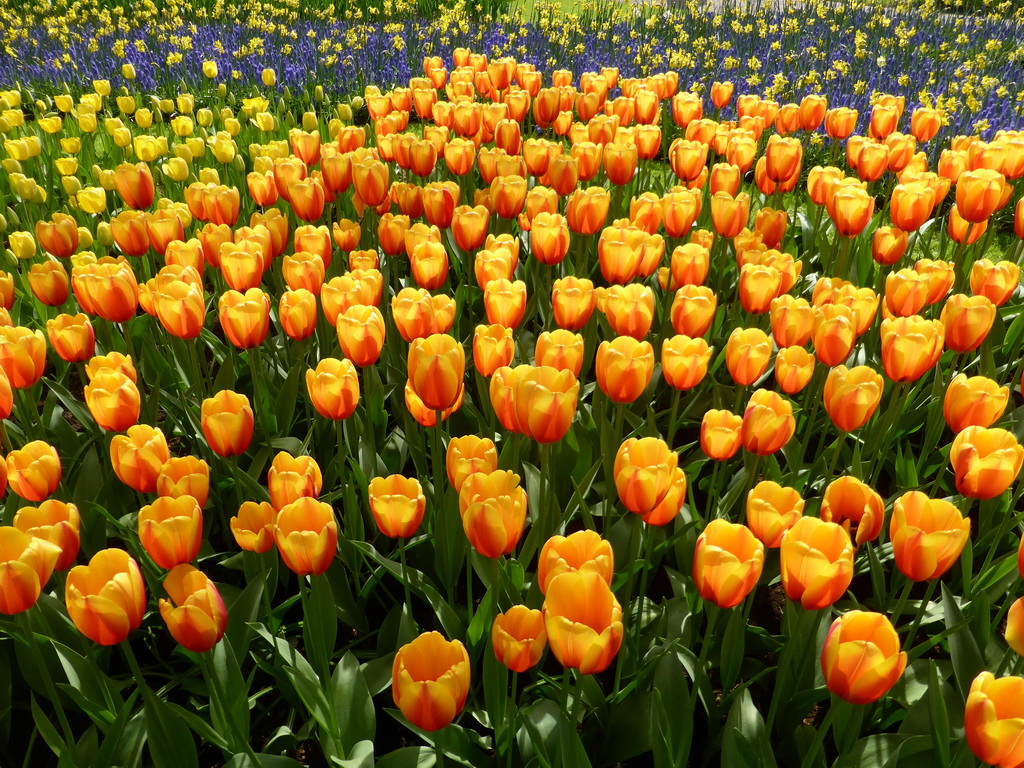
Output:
x,y
997,282
573,301
505,302
861,658
253,526
138,457
227,423
772,510
746,355
22,355
245,317
888,245
629,309
973,402
57,523
986,461
34,471
72,337
730,214
835,331
171,530
113,400
417,314
493,510
693,310
624,368
720,434
26,563
587,209
853,504
493,347
291,478
518,637
910,346
816,561
134,184
560,349
927,535
361,334
768,423
106,599
967,321
59,236
851,396
794,367
49,283
979,194
195,614
1014,634
430,680
992,719
469,226
397,504
583,551
436,369
727,563
549,239
684,361
306,534
911,205
333,388
583,621
185,476
644,470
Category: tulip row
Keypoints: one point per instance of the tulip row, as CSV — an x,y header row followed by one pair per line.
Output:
x,y
577,200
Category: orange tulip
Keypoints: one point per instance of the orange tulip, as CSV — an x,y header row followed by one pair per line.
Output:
x,y
693,310
996,282
34,471
113,400
253,526
794,367
505,302
967,321
49,283
730,214
245,317
851,210
333,388
727,563
746,355
493,347
992,719
986,461
306,534
720,434
851,396
974,402
855,506
55,522
927,535
518,638
493,510
417,314
184,476
397,504
106,599
436,368
291,478
430,680
582,551
644,471
772,510
583,621
910,346
888,245
134,183
138,456
816,561
624,368
861,658
26,564
684,361
195,614
979,194
22,355
72,337
587,209
361,334
227,422
573,300
171,530
768,423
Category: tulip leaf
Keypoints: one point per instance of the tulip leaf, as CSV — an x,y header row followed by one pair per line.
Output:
x,y
963,649
46,730
170,743
939,716
732,647
233,692
743,741
243,610
626,734
115,738
539,738
93,687
287,395
78,410
225,378
201,727
352,703
243,760
408,757
320,623
496,699
883,750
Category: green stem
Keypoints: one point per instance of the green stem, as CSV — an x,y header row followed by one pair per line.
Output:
x,y
405,575
513,714
908,641
822,732
676,395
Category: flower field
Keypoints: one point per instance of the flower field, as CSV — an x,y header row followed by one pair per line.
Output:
x,y
406,386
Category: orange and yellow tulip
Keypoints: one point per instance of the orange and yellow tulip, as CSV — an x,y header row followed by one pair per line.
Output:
x,y
171,530
861,658
194,613
34,471
106,599
227,422
727,563
26,564
430,680
518,638
986,461
306,535
57,522
816,561
851,396
253,526
493,511
854,505
927,535
138,456
583,621
973,402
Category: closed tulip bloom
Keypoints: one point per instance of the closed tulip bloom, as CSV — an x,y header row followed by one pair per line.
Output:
x,y
194,613
573,301
493,510
361,334
518,638
794,367
429,265
134,183
430,680
906,292
560,349
730,214
306,534
967,320
468,455
505,302
417,314
291,478
727,563
49,283
720,434
963,232
22,355
979,194
171,530
583,621
184,476
469,226
973,402
370,178
996,282
629,309
113,400
693,310
690,264
583,550
861,658
397,504
986,461
911,205
34,471
333,388
180,306
253,526
927,535
26,564
851,396
684,361
772,510
106,599
855,506
747,353
992,719
493,348
816,561
586,210
437,366
768,423
783,157
56,522
851,210
835,331
549,239
72,337
888,244
245,317
138,456
643,471
297,314
624,368
758,287
227,422
910,346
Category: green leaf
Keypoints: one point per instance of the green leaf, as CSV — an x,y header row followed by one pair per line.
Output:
x,y
243,760
115,733
732,647
170,743
287,396
744,742
670,734
539,738
408,757
967,660
353,703
46,729
940,719
232,693
628,734
320,623
242,611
